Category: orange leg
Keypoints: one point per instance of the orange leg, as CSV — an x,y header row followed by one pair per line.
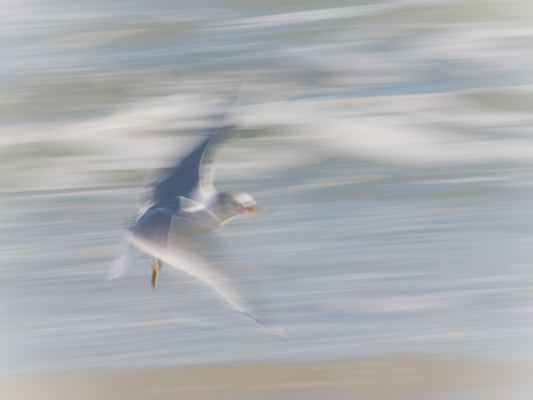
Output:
x,y
156,266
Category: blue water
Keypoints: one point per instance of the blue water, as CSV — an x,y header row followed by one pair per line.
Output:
x,y
388,142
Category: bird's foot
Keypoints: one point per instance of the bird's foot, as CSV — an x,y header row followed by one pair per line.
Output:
x,y
156,266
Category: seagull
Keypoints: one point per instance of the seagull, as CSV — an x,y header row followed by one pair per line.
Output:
x,y
182,205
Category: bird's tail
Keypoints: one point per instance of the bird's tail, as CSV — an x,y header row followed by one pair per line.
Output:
x,y
123,261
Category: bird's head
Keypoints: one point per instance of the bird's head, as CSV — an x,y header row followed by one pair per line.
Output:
x,y
231,203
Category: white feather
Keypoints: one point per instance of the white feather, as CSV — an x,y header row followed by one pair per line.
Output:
x,y
123,261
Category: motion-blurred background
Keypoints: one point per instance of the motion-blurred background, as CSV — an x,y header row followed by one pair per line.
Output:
x,y
390,142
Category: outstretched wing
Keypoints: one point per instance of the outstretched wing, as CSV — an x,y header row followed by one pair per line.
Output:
x,y
200,269
184,179
188,178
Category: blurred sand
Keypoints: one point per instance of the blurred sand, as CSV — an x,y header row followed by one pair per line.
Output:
x,y
406,377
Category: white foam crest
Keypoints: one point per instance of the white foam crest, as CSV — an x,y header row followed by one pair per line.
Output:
x,y
162,113
412,131
323,14
385,141
178,111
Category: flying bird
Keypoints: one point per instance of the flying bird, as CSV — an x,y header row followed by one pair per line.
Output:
x,y
183,204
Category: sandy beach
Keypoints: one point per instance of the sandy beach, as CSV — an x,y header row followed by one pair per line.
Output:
x,y
403,377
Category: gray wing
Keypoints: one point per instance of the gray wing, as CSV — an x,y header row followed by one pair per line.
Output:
x,y
188,177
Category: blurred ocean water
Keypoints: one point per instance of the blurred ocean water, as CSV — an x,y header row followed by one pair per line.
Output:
x,y
389,141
